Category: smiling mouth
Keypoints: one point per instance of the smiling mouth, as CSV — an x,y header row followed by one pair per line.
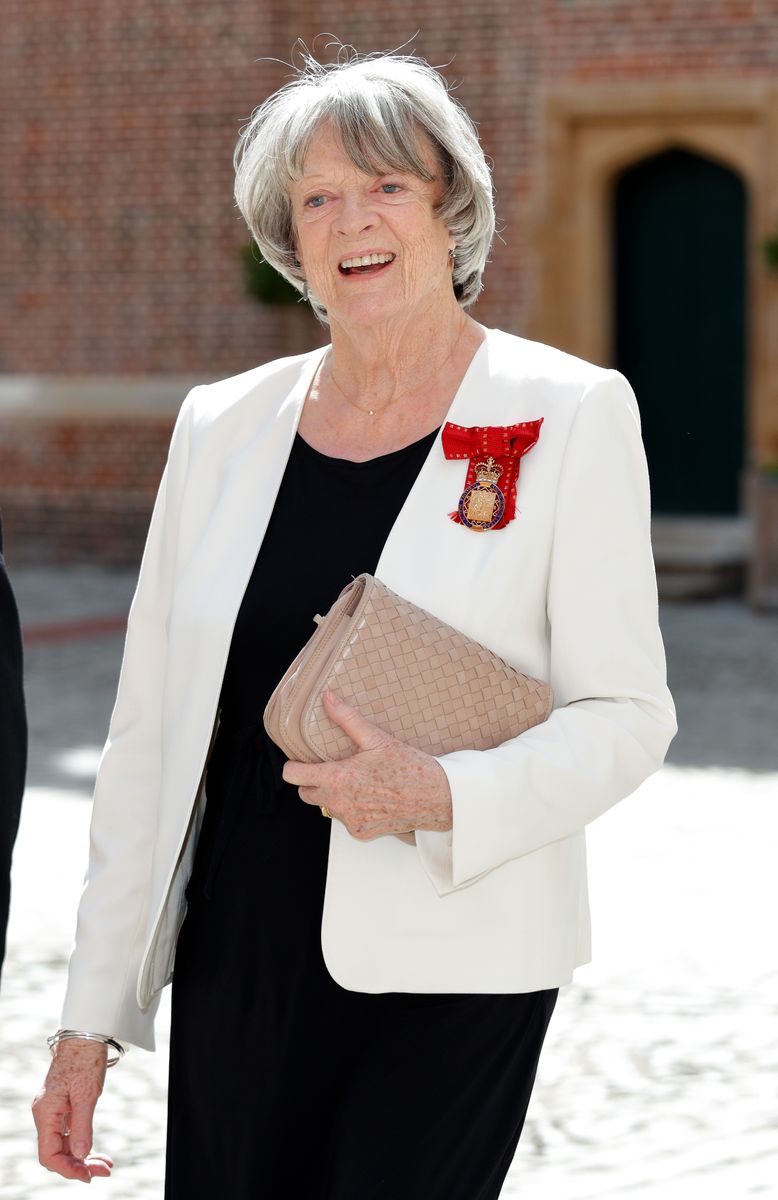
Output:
x,y
366,264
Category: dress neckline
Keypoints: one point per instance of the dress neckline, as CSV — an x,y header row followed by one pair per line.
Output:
x,y
348,462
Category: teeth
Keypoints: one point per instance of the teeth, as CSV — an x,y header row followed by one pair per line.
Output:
x,y
367,260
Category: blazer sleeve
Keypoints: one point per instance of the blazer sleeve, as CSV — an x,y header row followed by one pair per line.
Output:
x,y
614,717
112,911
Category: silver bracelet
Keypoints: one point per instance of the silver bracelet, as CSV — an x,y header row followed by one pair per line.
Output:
x,y
64,1035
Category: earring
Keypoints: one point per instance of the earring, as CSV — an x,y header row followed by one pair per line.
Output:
x,y
305,291
452,254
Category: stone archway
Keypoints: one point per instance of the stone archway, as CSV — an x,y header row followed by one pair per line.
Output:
x,y
592,133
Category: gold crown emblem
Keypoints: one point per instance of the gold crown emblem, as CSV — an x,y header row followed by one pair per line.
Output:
x,y
488,471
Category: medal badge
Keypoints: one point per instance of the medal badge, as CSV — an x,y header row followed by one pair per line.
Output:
x,y
494,453
482,505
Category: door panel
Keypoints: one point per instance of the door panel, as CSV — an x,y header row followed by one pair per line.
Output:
x,y
679,224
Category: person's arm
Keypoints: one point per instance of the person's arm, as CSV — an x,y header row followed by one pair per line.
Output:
x,y
113,905
614,717
13,738
112,910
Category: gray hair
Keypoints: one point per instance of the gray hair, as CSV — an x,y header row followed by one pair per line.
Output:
x,y
376,103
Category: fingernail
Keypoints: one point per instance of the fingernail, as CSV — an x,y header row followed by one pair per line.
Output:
x,y
80,1149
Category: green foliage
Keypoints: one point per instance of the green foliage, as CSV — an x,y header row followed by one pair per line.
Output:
x,y
262,281
770,251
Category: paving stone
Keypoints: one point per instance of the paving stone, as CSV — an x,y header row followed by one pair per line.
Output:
x,y
658,1078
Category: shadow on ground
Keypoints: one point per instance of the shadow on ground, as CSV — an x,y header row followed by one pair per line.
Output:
x,y
722,664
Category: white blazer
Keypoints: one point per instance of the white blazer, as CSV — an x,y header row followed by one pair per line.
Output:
x,y
565,592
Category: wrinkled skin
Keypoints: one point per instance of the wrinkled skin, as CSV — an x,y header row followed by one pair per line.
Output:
x,y
385,787
337,212
64,1107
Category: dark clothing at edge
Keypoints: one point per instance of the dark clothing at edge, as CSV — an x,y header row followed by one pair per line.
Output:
x,y
13,738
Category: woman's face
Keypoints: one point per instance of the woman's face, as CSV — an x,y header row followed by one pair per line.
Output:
x,y
342,216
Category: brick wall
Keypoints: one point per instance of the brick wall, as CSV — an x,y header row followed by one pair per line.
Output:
x,y
118,233
80,488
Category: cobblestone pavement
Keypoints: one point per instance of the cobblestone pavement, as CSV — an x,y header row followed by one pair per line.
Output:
x,y
660,1070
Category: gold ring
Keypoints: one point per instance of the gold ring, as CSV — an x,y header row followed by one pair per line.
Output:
x,y
325,812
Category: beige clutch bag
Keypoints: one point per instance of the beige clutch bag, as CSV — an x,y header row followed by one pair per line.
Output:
x,y
406,671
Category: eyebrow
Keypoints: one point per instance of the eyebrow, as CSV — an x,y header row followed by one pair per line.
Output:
x,y
306,180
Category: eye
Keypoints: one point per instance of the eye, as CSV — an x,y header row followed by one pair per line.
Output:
x,y
314,201
396,187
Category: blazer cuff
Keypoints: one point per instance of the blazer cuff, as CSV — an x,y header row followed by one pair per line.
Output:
x,y
435,853
444,855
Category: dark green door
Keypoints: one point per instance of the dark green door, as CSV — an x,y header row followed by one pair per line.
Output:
x,y
679,224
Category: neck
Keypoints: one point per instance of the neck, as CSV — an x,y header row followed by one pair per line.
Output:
x,y
382,363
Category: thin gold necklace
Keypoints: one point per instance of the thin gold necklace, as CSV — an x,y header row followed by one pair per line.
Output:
x,y
371,412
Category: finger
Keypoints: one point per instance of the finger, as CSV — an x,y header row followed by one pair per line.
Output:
x,y
99,1165
312,795
49,1143
55,1118
362,732
64,1164
81,1127
51,1124
306,774
69,1167
72,1166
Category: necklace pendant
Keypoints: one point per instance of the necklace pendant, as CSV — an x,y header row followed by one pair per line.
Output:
x,y
482,505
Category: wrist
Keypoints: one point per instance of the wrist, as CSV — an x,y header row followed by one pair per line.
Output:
x,y
82,1037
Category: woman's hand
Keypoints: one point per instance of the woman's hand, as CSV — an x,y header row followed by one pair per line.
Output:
x,y
385,787
63,1110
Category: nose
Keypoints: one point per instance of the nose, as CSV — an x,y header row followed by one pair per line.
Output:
x,y
355,216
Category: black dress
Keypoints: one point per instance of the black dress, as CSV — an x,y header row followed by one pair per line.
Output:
x,y
284,1085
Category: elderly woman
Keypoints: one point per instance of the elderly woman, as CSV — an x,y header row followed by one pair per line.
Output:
x,y
359,1002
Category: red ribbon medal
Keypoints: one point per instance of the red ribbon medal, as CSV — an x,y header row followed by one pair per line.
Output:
x,y
494,451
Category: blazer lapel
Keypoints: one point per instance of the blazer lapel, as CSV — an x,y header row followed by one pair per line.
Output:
x,y
250,478
232,513
423,536
257,468
427,557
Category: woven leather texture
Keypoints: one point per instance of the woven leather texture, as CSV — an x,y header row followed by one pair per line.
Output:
x,y
409,673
